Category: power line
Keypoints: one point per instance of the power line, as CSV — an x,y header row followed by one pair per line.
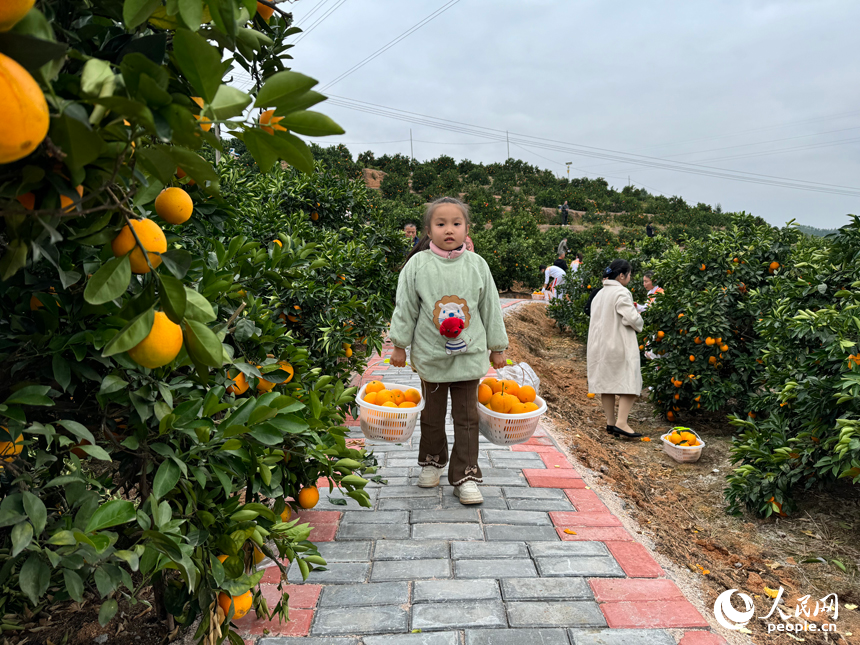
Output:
x,y
320,20
312,11
391,44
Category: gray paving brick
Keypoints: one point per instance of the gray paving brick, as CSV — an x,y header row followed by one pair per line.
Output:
x,y
546,589
406,504
351,504
410,550
513,464
447,532
383,619
512,479
516,568
620,637
484,550
379,517
549,549
591,567
516,637
385,570
458,615
407,491
373,531
510,454
513,533
345,551
335,573
428,638
450,515
365,594
400,462
528,518
533,493
544,505
306,640
581,613
393,472
389,481
450,590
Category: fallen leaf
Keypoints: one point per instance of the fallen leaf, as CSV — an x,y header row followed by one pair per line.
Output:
x,y
744,630
850,606
773,593
557,466
569,532
588,488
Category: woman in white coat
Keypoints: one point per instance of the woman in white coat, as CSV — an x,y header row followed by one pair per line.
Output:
x,y
613,351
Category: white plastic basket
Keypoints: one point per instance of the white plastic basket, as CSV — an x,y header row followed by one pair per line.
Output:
x,y
386,423
508,429
683,454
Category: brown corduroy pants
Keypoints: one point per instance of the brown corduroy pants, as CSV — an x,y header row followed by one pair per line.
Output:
x,y
433,449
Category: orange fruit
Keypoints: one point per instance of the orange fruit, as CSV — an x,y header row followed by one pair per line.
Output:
x,y
286,367
205,123
221,558
703,267
677,397
530,407
774,266
709,341
413,396
673,438
389,404
10,449
315,216
489,382
527,394
374,386
719,340
485,393
269,122
308,497
498,386
641,347
241,604
23,110
677,383
397,396
240,384
688,436
181,174
517,408
259,556
510,387
692,358
370,398
500,403
11,11
724,348
661,334
407,404
161,345
286,514
265,12
152,238
670,415
278,242
67,203
174,205
712,360
680,315
735,260
751,415
384,396
265,386
27,200
697,340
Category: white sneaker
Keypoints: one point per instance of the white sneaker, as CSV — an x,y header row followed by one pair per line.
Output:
x,y
468,493
429,477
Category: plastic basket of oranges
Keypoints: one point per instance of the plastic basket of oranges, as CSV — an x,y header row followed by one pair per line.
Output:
x,y
682,444
538,295
387,411
508,413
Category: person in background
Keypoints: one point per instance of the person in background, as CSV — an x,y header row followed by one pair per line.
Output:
x,y
577,262
562,248
411,233
649,230
553,277
565,210
651,288
613,351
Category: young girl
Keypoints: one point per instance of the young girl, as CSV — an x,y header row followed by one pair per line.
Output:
x,y
448,311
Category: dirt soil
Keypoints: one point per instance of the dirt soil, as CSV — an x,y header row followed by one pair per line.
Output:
x,y
679,509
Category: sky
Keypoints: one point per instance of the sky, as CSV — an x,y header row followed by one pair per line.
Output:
x,y
765,90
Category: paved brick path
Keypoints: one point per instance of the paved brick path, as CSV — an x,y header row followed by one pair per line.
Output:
x,y
541,561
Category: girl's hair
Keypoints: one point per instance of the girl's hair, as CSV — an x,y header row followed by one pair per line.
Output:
x,y
542,268
579,256
649,275
616,268
424,242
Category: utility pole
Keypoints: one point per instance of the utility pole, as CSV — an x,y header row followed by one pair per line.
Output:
x,y
217,136
508,139
628,180
567,163
411,149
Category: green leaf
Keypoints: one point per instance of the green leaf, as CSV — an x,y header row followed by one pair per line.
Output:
x,y
229,102
36,511
202,344
294,151
112,513
177,261
193,165
109,282
158,163
34,578
74,585
198,307
136,12
81,432
80,144
281,86
62,371
109,607
173,297
199,62
31,53
30,395
166,478
97,452
191,12
14,258
261,145
112,383
22,535
312,124
129,336
95,75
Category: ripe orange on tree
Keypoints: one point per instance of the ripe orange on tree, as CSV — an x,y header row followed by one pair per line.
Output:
x,y
692,358
240,385
174,205
661,335
265,11
205,123
773,266
241,604
67,203
697,340
151,237
180,174
10,449
709,341
161,345
23,110
268,120
712,360
11,11
27,200
308,497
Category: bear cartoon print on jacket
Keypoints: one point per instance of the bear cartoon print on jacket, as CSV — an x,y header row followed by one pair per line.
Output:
x,y
451,315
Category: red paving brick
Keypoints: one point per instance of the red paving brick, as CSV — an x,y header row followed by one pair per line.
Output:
x,y
301,596
665,614
553,459
629,590
323,533
635,559
569,519
538,441
701,638
585,501
594,533
272,576
553,478
521,447
298,625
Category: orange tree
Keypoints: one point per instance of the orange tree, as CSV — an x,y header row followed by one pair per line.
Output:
x,y
142,436
805,433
